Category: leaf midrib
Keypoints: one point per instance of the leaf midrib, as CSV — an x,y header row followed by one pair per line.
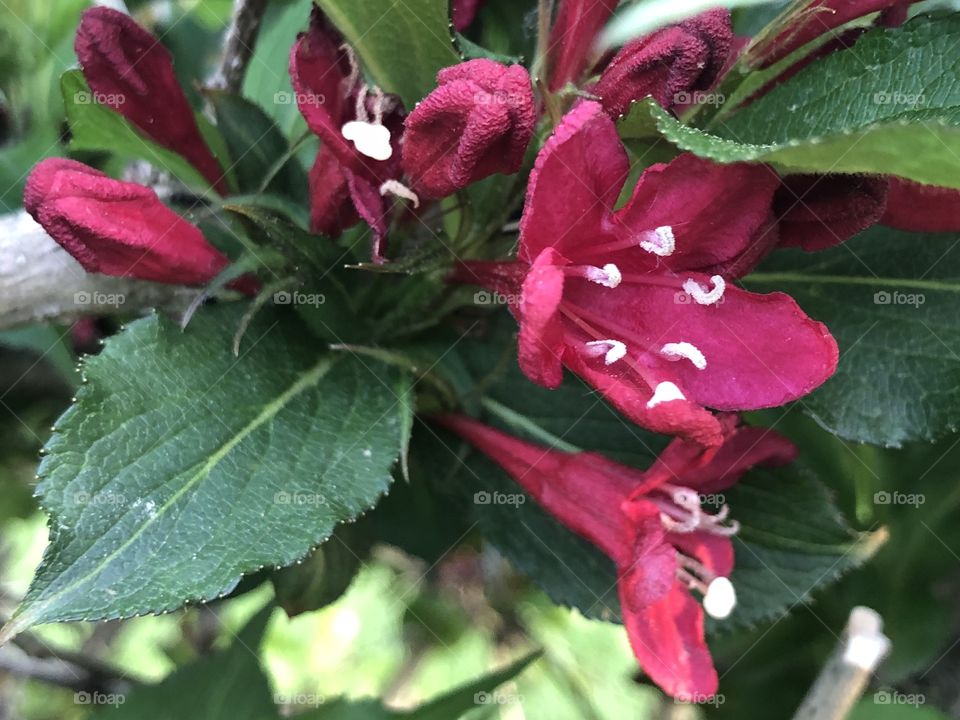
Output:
x,y
776,277
307,379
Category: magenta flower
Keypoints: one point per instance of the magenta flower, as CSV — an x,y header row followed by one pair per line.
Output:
x,y
652,526
119,228
637,301
477,122
129,70
360,131
572,38
462,12
669,65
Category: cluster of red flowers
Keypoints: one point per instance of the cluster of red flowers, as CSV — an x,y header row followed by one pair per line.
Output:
x,y
637,300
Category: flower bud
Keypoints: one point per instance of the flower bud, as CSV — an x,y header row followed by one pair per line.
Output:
x,y
477,122
118,228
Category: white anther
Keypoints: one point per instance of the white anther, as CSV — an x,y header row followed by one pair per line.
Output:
x,y
611,350
395,187
665,392
608,276
704,297
684,350
660,242
369,139
720,598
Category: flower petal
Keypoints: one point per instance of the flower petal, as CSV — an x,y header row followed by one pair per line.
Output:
x,y
574,33
574,185
331,207
541,339
668,639
922,208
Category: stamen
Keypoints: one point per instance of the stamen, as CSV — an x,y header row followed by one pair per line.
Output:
x,y
665,392
705,297
612,350
361,105
354,77
684,350
661,242
369,139
395,187
720,598
609,275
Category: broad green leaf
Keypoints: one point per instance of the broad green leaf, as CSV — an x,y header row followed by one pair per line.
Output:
x,y
49,342
450,706
228,685
181,468
894,705
256,147
890,300
402,44
97,127
885,106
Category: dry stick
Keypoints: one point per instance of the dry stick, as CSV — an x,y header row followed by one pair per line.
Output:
x,y
40,281
238,47
847,672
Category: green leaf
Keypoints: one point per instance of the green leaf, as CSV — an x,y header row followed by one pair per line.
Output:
x,y
885,106
792,541
228,685
49,342
256,144
267,81
890,300
181,468
894,705
402,44
97,127
451,706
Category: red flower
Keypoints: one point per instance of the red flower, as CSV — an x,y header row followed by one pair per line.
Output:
x,y
572,38
630,300
652,526
118,228
922,208
819,211
669,64
130,71
819,17
360,133
477,122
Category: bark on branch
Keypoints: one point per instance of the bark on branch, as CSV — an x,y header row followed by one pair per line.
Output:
x,y
40,281
238,46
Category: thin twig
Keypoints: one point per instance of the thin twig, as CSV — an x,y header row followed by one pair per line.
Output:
x,y
238,47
